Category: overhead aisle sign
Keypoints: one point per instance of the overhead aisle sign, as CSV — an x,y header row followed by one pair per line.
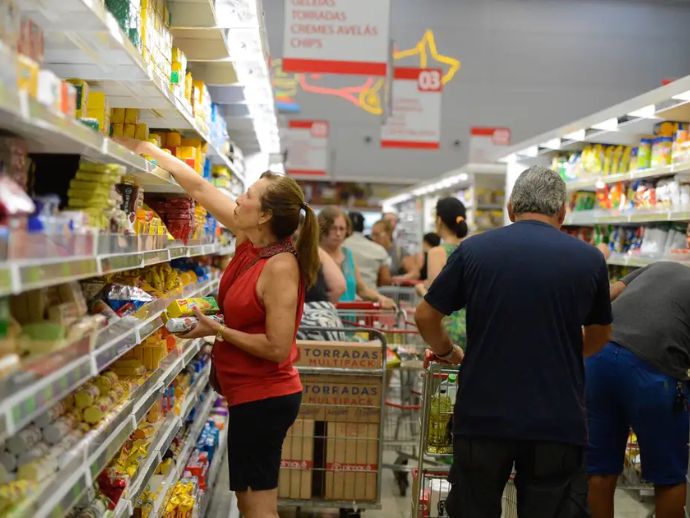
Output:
x,y
415,119
307,148
337,36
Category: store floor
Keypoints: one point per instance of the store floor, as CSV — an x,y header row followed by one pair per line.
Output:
x,y
393,506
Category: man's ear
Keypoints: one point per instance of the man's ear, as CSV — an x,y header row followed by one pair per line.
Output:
x,y
511,214
561,214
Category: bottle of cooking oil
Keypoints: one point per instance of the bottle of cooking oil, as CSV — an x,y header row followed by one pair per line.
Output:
x,y
439,417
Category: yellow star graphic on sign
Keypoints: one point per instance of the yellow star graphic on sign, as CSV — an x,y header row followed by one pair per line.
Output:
x,y
427,47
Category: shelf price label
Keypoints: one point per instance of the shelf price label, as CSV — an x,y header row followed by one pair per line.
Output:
x,y
33,276
118,263
415,120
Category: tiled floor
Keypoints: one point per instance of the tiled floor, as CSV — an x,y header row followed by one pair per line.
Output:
x,y
627,505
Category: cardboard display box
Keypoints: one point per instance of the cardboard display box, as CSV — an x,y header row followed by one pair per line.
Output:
x,y
297,461
340,355
351,461
353,399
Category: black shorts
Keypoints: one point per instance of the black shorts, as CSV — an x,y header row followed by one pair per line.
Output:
x,y
255,440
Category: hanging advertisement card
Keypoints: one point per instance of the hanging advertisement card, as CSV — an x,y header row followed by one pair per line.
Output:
x,y
415,120
336,36
307,148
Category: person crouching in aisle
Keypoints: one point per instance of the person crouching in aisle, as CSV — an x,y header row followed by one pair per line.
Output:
x,y
528,290
640,381
261,296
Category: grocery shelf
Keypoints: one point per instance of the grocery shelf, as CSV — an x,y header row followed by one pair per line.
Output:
x,y
29,274
597,217
92,454
192,436
594,181
70,367
637,261
200,511
84,40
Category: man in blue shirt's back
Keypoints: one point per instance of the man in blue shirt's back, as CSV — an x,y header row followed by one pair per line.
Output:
x,y
537,301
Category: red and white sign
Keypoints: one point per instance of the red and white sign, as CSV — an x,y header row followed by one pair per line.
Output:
x,y
415,120
486,143
307,148
336,36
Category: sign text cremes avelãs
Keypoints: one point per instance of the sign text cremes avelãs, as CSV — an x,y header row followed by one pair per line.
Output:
x,y
336,36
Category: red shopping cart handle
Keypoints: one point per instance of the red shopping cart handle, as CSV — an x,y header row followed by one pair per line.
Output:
x,y
406,282
359,304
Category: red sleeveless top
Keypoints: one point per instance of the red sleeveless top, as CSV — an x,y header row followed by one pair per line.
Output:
x,y
244,377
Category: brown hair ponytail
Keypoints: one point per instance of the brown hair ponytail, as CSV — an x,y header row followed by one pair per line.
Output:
x,y
285,200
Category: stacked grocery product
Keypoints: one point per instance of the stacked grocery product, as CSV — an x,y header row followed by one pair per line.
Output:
x,y
75,426
49,320
439,436
332,450
660,193
668,145
655,241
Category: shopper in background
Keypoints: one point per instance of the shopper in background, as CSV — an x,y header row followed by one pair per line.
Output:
x,y
382,234
371,258
261,295
333,228
452,228
393,220
320,300
640,380
528,290
429,241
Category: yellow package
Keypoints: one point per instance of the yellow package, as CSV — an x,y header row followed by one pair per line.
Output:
x,y
142,131
173,139
97,101
117,115
117,129
185,307
130,130
131,115
608,157
27,75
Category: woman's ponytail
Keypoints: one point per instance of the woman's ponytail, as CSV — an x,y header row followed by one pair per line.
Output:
x,y
308,247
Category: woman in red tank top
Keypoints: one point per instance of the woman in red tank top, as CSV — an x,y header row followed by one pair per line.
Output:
x,y
261,296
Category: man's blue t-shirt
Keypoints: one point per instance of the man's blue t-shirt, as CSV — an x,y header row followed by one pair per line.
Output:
x,y
528,289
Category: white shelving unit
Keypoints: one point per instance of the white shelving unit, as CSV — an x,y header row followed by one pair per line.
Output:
x,y
624,123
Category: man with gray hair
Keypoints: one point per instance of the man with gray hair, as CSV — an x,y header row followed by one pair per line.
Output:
x,y
537,302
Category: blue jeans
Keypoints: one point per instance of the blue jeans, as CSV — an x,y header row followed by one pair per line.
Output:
x,y
623,392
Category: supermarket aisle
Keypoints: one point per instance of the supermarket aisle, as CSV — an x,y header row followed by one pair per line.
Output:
x,y
394,506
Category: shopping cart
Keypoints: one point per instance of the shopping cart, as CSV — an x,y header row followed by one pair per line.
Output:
x,y
404,295
430,487
405,354
631,478
370,315
332,455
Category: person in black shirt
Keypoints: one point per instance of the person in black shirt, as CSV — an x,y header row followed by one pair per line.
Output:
x,y
640,381
537,301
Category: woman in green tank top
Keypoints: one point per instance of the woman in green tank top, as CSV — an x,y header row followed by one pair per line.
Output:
x,y
452,227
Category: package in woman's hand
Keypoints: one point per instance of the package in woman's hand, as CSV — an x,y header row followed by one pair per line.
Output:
x,y
185,307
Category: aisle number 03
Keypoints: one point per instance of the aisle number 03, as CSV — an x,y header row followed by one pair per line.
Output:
x,y
430,80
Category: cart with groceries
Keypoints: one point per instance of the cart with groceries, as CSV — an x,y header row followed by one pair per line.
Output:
x,y
430,485
401,413
332,455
